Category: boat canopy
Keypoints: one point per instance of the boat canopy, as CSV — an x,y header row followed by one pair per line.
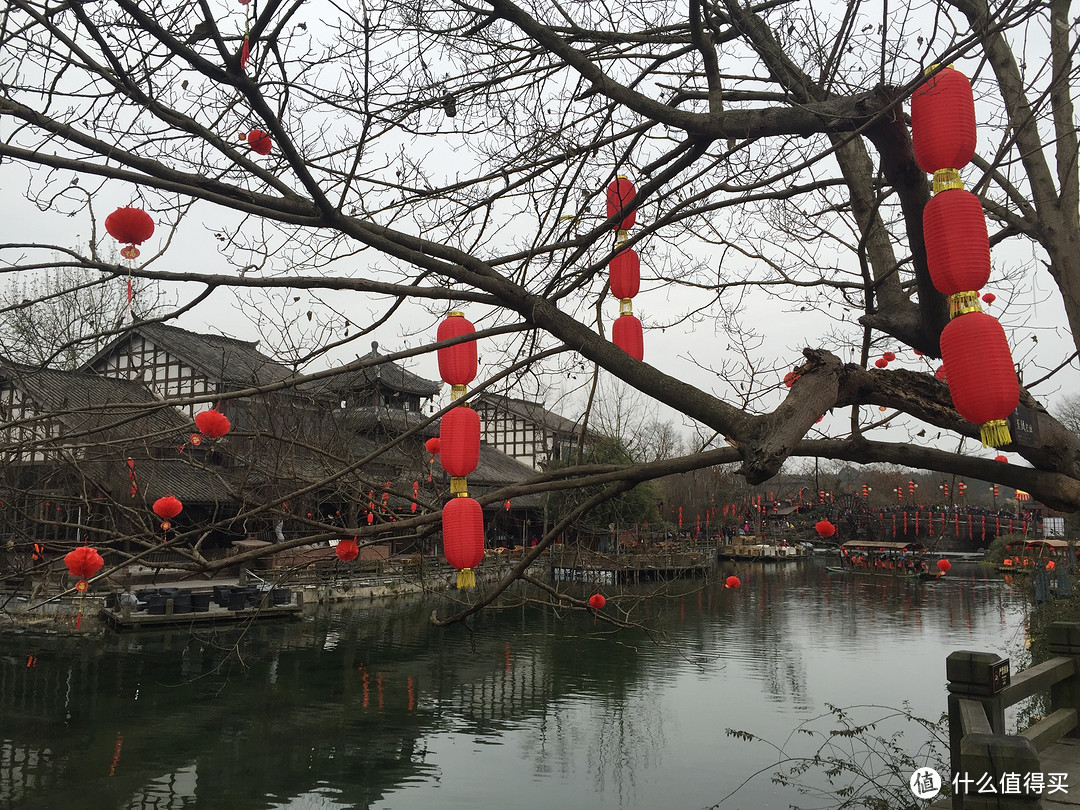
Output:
x,y
877,545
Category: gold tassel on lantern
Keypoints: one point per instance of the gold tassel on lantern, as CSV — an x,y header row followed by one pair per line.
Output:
x,y
466,578
459,486
946,179
995,433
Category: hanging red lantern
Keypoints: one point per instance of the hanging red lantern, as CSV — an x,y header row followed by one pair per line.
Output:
x,y
168,507
881,362
957,246
83,562
621,193
457,363
259,142
1003,459
625,274
432,445
989,298
459,443
463,538
825,528
943,122
944,565
626,334
940,374
130,226
732,582
982,380
597,601
347,550
889,357
212,423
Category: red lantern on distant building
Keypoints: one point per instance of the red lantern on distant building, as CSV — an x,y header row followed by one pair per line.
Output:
x,y
732,582
463,538
944,565
627,335
83,562
989,298
825,528
620,193
597,601
1002,459
432,445
130,226
981,379
457,363
212,423
347,550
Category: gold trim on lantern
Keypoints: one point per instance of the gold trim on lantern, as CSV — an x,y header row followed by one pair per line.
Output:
x,y
466,578
458,486
626,306
458,391
961,303
621,237
995,433
945,179
456,315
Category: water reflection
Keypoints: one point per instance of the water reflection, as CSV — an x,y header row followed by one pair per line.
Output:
x,y
373,708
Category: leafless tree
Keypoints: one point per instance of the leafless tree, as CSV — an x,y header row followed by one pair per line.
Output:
x,y
433,156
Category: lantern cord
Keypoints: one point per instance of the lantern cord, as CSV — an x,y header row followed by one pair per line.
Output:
x,y
466,578
995,433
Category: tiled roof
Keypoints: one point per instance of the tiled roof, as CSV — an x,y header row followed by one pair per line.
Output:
x,y
111,409
234,363
156,478
382,372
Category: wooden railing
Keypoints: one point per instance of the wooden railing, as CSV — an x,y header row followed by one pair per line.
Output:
x,y
980,690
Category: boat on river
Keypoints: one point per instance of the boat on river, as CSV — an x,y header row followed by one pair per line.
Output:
x,y
903,560
1028,555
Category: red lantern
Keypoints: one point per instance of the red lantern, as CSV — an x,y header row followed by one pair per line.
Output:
x,y
463,538
168,507
130,226
989,298
825,528
943,121
432,445
83,562
982,380
888,357
625,274
881,362
457,363
347,550
940,374
621,193
597,601
212,423
259,141
459,443
943,565
732,582
626,334
957,246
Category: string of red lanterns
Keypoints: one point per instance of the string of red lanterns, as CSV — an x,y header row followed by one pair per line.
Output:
x,y
459,452
624,271
980,372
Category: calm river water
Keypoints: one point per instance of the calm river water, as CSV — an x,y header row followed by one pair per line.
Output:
x,y
372,707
